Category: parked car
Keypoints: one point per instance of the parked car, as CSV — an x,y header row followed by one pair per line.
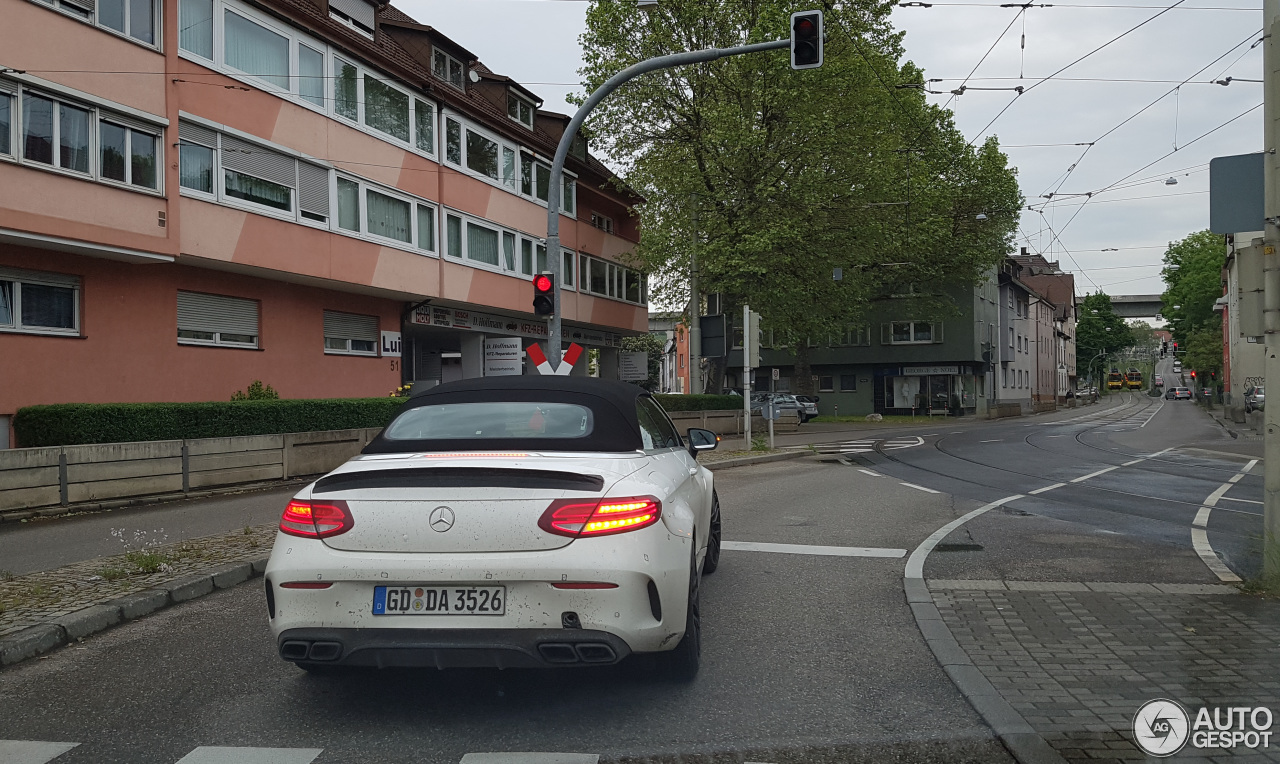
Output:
x,y
787,403
503,522
1178,393
1254,398
810,403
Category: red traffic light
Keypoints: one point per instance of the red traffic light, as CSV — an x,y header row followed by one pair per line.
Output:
x,y
806,39
542,283
544,299
1193,373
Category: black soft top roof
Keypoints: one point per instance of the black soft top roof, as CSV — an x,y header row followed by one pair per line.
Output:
x,y
612,404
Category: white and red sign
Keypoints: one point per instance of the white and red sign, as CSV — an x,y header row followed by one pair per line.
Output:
x,y
539,360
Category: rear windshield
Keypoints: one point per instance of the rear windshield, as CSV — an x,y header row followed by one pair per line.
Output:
x,y
492,419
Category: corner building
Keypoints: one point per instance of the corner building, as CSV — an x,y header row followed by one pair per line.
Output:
x,y
326,196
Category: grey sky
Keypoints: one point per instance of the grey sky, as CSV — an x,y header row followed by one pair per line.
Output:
x,y
513,37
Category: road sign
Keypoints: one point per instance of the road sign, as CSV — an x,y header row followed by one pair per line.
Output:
x,y
776,375
633,367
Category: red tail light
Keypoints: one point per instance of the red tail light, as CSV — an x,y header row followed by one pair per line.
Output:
x,y
316,519
583,585
306,585
577,518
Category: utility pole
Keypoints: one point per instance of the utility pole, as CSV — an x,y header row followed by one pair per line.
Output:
x,y
695,309
746,371
1271,295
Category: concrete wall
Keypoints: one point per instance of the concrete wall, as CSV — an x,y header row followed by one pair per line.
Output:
x,y
43,477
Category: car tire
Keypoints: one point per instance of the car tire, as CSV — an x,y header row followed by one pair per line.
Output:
x,y
712,560
681,664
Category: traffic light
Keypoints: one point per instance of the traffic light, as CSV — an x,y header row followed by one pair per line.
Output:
x,y
544,294
806,40
1164,347
1193,373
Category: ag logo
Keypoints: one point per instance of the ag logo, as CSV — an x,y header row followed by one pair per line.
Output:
x,y
441,519
1161,727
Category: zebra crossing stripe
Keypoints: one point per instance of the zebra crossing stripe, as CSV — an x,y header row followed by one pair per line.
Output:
x,y
31,751
228,755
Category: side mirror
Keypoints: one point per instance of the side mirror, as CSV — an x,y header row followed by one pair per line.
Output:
x,y
702,440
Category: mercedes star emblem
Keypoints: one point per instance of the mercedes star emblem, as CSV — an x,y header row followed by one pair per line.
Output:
x,y
441,519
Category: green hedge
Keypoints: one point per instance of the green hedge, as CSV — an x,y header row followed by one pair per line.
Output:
x,y
70,424
699,402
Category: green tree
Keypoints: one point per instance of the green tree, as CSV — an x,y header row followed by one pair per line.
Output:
x,y
1193,277
1204,352
653,345
1099,332
1144,335
784,176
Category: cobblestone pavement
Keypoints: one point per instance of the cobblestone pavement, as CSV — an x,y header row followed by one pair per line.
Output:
x,y
41,597
1078,664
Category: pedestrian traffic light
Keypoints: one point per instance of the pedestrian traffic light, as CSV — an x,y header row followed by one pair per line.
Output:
x,y
806,40
544,294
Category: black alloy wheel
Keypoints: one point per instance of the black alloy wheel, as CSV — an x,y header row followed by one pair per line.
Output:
x,y
712,560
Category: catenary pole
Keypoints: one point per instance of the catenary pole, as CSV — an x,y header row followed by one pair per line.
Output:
x,y
1271,294
562,151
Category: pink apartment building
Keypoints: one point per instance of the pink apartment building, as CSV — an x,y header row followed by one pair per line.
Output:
x,y
326,196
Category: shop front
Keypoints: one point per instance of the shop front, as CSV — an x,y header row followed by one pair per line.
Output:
x,y
954,389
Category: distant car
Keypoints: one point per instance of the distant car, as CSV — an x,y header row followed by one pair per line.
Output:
x,y
787,403
1157,380
1178,393
1177,366
1254,398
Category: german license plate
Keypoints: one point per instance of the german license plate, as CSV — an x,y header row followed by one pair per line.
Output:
x,y
438,599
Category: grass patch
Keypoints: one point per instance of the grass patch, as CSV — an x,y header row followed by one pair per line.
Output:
x,y
6,575
113,574
145,561
888,419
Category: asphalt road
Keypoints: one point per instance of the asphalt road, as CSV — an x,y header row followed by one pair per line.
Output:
x,y
807,658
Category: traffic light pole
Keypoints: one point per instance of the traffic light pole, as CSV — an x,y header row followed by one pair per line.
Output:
x,y
562,151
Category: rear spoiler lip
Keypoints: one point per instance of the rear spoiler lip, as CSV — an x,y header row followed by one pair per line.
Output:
x,y
459,477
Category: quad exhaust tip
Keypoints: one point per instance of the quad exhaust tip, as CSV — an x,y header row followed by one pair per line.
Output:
x,y
581,652
301,650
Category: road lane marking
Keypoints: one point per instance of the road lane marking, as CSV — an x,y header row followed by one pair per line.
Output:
x,y
920,488
827,551
1235,478
32,751
1153,414
206,754
1202,517
1245,501
1217,494
869,472
1249,466
1047,488
1135,461
997,440
1095,474
1165,451
1200,525
1200,540
530,758
915,564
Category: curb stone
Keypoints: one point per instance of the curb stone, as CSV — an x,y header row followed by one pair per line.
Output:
x,y
746,460
1025,744
44,637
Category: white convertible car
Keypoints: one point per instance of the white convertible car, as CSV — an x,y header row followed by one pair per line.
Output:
x,y
504,522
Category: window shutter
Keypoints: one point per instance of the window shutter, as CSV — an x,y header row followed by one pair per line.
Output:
x,y
212,313
197,134
258,162
313,189
359,11
884,334
937,333
85,4
348,326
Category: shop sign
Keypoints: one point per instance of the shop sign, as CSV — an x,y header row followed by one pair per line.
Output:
x,y
633,367
391,344
921,371
503,357
472,321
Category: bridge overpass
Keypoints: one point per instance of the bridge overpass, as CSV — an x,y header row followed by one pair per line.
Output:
x,y
1134,305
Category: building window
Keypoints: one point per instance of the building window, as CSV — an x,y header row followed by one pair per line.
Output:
x,y
854,336
826,383
346,90
350,334
133,19
603,223
39,303
356,14
6,123
681,360
1011,336
61,134
127,155
848,383
387,215
386,109
535,183
911,333
424,126
255,50
206,319
567,262
311,79
605,279
195,27
447,68
520,109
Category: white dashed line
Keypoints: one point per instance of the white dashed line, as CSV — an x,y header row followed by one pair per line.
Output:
x,y
869,472
1249,466
920,488
1234,478
226,755
1095,474
1047,488
32,751
827,551
997,440
1245,501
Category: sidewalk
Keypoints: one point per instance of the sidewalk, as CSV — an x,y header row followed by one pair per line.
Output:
x,y
1078,663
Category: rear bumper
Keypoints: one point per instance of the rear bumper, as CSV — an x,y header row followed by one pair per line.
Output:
x,y
451,648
